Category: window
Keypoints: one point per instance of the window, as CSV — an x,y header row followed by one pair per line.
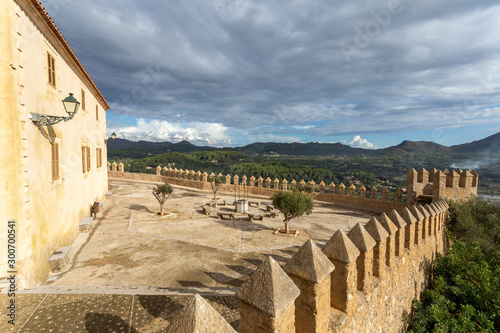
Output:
x,y
97,112
83,100
54,147
98,157
51,68
84,159
88,158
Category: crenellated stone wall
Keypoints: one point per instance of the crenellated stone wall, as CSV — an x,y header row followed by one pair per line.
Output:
x,y
430,186
363,281
351,197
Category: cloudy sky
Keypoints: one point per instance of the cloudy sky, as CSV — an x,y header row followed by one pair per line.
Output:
x,y
230,72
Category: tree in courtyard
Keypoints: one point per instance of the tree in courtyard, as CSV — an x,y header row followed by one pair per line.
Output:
x,y
162,193
292,204
216,183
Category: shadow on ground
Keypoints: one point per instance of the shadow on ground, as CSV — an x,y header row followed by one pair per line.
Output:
x,y
103,322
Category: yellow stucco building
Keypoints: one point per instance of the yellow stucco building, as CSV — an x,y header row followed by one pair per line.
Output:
x,y
49,175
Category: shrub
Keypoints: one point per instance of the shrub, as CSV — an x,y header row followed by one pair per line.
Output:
x,y
465,294
477,220
162,193
292,204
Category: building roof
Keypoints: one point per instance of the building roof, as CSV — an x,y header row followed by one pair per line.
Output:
x,y
50,23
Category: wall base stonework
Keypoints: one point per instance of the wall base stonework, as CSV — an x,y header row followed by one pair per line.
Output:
x,y
359,203
383,308
136,176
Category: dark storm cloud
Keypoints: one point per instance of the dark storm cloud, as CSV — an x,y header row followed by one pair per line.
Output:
x,y
329,66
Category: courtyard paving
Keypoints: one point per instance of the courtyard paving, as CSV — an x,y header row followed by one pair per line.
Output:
x,y
135,269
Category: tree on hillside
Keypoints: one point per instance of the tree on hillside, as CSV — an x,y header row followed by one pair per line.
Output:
x,y
162,193
292,204
216,183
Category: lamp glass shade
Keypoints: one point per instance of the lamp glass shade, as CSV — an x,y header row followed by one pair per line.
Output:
x,y
71,105
113,135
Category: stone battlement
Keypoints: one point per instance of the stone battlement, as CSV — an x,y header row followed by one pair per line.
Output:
x,y
340,195
362,281
430,186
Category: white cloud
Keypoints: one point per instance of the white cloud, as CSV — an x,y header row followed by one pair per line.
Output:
x,y
358,142
195,132
279,63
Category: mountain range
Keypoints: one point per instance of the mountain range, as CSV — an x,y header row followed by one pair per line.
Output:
x,y
489,145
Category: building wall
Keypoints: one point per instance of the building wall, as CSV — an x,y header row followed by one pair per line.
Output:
x,y
48,212
11,164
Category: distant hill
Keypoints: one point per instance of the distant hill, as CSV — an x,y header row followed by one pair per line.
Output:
x,y
489,144
303,149
156,147
420,147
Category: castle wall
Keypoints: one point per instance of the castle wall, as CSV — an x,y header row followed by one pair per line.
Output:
x,y
382,309
193,180
435,185
396,276
359,203
393,254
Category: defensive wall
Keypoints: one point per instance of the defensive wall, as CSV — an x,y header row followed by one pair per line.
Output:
x,y
430,186
422,186
340,195
362,281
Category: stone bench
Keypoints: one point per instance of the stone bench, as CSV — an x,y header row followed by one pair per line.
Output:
x,y
86,224
229,215
211,204
270,208
254,204
206,210
59,258
255,216
274,213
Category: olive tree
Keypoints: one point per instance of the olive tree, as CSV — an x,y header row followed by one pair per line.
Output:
x,y
162,193
292,204
216,183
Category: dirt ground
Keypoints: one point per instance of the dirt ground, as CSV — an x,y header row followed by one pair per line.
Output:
x,y
131,246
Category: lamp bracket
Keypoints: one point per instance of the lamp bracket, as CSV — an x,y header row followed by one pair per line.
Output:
x,y
45,120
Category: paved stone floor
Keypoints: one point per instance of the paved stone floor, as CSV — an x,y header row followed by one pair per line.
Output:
x,y
135,269
104,313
